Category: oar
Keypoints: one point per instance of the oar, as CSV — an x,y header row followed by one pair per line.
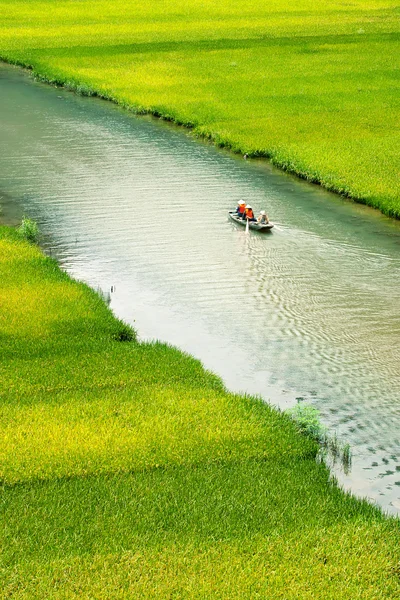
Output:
x,y
247,226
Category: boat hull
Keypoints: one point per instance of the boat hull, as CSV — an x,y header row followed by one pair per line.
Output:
x,y
252,224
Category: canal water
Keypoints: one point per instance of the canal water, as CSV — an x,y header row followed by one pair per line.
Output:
x,y
138,209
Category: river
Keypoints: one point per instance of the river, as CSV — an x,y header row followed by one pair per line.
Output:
x,y
138,209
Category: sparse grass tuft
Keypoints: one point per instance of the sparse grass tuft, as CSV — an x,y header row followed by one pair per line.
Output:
x,y
29,230
308,422
124,332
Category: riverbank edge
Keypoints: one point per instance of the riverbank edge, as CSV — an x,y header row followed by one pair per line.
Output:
x,y
285,165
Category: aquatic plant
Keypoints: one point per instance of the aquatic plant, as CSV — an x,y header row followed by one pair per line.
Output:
x,y
346,457
29,230
308,421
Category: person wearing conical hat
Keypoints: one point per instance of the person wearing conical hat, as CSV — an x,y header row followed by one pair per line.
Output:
x,y
248,213
263,218
240,208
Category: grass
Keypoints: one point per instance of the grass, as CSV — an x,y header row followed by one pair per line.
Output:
x,y
29,230
128,471
313,87
308,422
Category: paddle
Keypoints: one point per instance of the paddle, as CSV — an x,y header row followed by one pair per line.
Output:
x,y
247,226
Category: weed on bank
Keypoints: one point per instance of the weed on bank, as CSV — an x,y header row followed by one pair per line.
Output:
x,y
128,471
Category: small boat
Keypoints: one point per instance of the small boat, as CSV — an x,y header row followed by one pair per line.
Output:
x,y
252,224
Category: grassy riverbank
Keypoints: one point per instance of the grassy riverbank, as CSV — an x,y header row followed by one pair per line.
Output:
x,y
312,86
129,472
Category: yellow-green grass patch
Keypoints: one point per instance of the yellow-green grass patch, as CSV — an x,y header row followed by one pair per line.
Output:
x,y
137,428
233,530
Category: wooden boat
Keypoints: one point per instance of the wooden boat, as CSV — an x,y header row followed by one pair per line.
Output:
x,y
252,224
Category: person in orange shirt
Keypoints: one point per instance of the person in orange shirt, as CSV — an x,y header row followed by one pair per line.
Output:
x,y
248,213
240,208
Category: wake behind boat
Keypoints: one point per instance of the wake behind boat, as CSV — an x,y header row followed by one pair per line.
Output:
x,y
252,224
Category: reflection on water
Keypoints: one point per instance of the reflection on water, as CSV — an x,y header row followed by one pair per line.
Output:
x,y
139,209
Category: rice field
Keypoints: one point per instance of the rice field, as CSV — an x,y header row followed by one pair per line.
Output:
x,y
313,87
128,471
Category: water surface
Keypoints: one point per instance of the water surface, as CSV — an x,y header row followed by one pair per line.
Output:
x,y
308,313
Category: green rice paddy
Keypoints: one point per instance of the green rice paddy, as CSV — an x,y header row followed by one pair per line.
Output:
x,y
128,471
312,86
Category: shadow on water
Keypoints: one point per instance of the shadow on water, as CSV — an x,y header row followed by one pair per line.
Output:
x,y
138,208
